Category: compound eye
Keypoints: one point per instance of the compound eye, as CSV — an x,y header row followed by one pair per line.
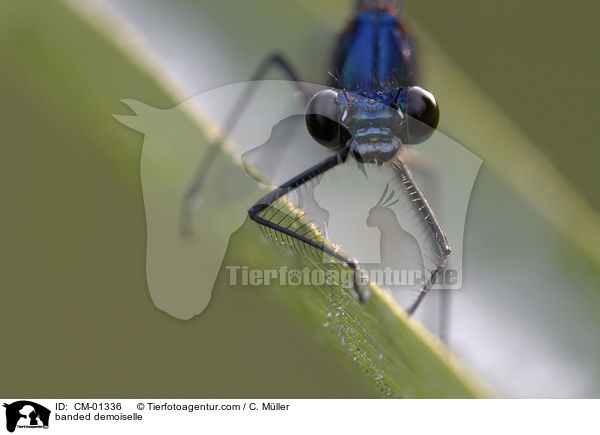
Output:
x,y
423,114
323,120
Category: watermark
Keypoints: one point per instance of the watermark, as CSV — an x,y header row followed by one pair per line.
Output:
x,y
25,414
308,277
396,220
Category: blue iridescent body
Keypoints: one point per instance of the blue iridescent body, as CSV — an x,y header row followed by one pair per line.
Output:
x,y
374,63
375,53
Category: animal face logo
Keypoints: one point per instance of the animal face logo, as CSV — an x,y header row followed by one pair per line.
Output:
x,y
27,414
187,239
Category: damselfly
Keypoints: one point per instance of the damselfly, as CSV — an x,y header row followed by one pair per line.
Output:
x,y
372,111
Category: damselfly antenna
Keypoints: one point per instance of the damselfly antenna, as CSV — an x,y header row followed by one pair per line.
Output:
x,y
339,82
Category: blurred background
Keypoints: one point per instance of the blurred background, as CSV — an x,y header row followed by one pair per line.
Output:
x,y
517,85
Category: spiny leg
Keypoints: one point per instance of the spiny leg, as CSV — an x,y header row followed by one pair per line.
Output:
x,y
197,183
426,213
299,180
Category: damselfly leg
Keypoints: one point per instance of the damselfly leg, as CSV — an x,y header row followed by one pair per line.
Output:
x,y
308,237
440,240
274,61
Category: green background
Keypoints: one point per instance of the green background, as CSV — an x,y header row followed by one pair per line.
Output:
x,y
75,315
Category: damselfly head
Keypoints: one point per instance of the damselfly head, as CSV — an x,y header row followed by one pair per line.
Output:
x,y
337,119
373,125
